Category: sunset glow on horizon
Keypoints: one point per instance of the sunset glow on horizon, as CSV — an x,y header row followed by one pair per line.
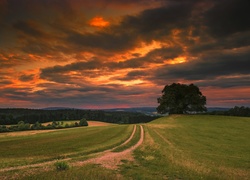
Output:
x,y
110,54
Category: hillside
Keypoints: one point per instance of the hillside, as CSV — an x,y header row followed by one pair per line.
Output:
x,y
173,147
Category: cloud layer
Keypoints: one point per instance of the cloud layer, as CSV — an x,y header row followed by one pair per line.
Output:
x,y
122,53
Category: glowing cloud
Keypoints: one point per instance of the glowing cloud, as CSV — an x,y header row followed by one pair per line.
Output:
x,y
178,60
122,53
98,21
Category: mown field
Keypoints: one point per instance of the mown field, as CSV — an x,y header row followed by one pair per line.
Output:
x,y
174,147
195,147
17,150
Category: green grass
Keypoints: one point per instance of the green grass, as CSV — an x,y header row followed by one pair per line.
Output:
x,y
194,147
88,172
174,147
22,150
61,165
133,141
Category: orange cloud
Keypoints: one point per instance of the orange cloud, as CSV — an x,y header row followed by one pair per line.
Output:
x,y
178,60
98,21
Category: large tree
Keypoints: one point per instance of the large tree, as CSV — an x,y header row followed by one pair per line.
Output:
x,y
180,98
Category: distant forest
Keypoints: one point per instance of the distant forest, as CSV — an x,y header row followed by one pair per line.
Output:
x,y
236,111
10,116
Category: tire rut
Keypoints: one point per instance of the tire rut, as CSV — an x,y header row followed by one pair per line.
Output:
x,y
112,160
66,159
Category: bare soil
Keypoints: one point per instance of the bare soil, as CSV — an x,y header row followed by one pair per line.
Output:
x,y
24,133
112,160
98,123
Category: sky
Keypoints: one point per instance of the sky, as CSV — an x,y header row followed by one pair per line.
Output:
x,y
121,53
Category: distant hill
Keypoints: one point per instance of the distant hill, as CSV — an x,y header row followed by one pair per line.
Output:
x,y
210,109
153,109
134,109
148,109
56,108
144,110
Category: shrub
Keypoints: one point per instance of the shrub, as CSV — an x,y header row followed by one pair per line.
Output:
x,y
83,122
3,128
61,165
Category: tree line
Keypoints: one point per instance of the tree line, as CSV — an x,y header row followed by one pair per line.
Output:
x,y
236,111
10,116
22,126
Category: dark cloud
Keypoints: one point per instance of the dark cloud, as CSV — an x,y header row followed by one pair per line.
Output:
x,y
16,93
208,67
5,82
96,67
149,25
85,96
12,59
165,53
57,73
33,8
163,18
26,78
231,42
228,17
29,28
133,75
212,36
226,82
104,40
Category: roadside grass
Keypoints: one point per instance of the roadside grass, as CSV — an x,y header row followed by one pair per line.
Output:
x,y
131,143
193,147
87,172
60,144
152,161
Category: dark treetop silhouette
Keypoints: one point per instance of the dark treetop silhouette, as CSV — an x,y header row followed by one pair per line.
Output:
x,y
181,98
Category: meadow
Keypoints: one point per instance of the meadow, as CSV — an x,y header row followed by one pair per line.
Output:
x,y
39,147
174,147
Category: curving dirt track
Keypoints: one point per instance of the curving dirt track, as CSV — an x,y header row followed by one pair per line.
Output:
x,y
106,158
110,159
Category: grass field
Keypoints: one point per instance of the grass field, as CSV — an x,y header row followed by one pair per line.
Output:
x,y
174,147
22,150
194,147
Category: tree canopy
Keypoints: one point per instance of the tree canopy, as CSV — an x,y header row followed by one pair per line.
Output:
x,y
180,98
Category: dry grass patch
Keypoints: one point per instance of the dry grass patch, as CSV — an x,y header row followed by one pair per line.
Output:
x,y
98,123
235,172
24,133
162,126
192,165
148,141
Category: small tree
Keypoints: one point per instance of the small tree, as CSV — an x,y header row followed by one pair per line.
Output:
x,y
83,122
181,98
36,126
21,125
